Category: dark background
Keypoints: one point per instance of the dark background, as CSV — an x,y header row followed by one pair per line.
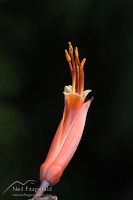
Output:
x,y
33,72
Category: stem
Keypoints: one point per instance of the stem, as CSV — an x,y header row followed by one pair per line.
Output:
x,y
44,185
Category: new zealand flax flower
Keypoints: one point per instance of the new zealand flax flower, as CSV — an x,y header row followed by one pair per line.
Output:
x,y
71,127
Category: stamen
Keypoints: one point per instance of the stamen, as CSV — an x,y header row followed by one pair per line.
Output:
x,y
73,66
70,48
82,63
68,60
76,52
71,54
77,61
76,69
81,89
67,56
73,80
77,56
77,79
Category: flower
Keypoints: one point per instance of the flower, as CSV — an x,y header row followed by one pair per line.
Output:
x,y
71,127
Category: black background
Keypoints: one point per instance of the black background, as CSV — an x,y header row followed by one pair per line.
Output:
x,y
33,72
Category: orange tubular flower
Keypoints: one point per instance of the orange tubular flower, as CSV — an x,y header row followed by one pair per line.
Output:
x,y
71,127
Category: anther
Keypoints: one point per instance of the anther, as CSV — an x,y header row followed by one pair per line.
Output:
x,y
82,63
67,56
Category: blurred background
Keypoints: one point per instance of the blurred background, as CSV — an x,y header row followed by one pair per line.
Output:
x,y
33,72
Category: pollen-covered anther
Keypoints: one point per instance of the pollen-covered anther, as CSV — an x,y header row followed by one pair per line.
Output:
x,y
67,56
77,60
70,47
82,63
76,52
